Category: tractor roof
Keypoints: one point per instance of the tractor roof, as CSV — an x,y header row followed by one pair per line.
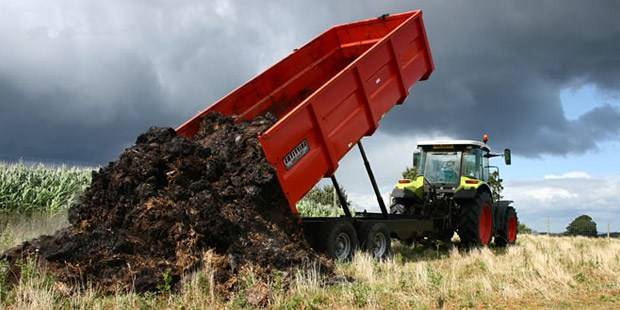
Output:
x,y
463,143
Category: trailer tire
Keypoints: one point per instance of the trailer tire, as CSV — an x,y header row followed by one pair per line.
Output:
x,y
339,239
476,221
375,240
507,234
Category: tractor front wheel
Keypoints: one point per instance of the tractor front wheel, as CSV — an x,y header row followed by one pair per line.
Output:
x,y
476,221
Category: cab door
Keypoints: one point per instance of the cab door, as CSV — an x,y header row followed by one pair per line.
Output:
x,y
473,164
485,166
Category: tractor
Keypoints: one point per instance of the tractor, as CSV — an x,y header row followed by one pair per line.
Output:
x,y
452,189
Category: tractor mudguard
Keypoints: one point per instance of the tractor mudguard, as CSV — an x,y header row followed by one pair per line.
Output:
x,y
465,194
403,193
469,188
407,188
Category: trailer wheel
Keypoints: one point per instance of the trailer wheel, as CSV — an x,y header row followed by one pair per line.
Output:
x,y
339,240
508,232
376,240
476,221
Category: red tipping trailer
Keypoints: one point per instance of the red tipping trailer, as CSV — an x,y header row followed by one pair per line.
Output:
x,y
328,94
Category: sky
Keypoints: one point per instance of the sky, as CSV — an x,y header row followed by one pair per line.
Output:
x,y
79,80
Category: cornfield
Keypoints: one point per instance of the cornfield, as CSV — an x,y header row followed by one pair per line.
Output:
x,y
26,189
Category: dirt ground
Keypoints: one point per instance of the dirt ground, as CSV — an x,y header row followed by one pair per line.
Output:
x,y
148,217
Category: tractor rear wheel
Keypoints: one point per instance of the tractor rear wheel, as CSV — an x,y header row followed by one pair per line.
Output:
x,y
476,221
398,208
375,239
445,236
508,233
339,239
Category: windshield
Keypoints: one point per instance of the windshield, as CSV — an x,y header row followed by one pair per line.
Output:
x,y
442,167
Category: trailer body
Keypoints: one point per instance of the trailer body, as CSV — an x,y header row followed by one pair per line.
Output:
x,y
329,94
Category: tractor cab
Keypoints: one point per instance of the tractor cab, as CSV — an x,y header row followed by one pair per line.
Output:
x,y
451,165
445,163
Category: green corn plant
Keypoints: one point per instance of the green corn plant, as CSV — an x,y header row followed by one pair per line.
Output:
x,y
25,189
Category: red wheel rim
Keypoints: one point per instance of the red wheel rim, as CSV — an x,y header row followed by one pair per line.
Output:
x,y
485,224
512,229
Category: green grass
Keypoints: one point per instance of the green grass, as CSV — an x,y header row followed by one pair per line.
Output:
x,y
28,189
539,272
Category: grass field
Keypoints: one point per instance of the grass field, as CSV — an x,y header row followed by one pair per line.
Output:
x,y
539,272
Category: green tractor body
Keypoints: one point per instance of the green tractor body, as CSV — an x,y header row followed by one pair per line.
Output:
x,y
451,188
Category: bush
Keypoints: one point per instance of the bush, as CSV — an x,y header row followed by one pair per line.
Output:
x,y
523,229
319,202
582,226
308,208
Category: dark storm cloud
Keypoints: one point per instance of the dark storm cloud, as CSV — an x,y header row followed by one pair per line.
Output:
x,y
79,80
501,67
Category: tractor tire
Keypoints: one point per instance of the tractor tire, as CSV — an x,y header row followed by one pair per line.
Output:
x,y
398,209
475,225
507,234
446,236
375,239
339,239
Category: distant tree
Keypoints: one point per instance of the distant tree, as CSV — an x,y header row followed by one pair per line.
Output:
x,y
582,226
410,173
523,229
496,185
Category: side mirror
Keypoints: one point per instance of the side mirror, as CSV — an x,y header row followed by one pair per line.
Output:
x,y
416,159
507,156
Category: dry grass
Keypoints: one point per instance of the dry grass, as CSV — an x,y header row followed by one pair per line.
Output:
x,y
540,272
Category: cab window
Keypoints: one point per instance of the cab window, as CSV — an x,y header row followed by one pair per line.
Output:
x,y
472,164
442,167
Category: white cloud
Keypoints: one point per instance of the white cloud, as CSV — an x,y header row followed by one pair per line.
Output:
x,y
549,194
566,193
367,201
561,198
569,175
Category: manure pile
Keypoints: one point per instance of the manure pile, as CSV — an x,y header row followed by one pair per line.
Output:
x,y
167,201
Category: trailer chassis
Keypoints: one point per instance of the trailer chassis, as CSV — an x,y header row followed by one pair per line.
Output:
x,y
366,225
